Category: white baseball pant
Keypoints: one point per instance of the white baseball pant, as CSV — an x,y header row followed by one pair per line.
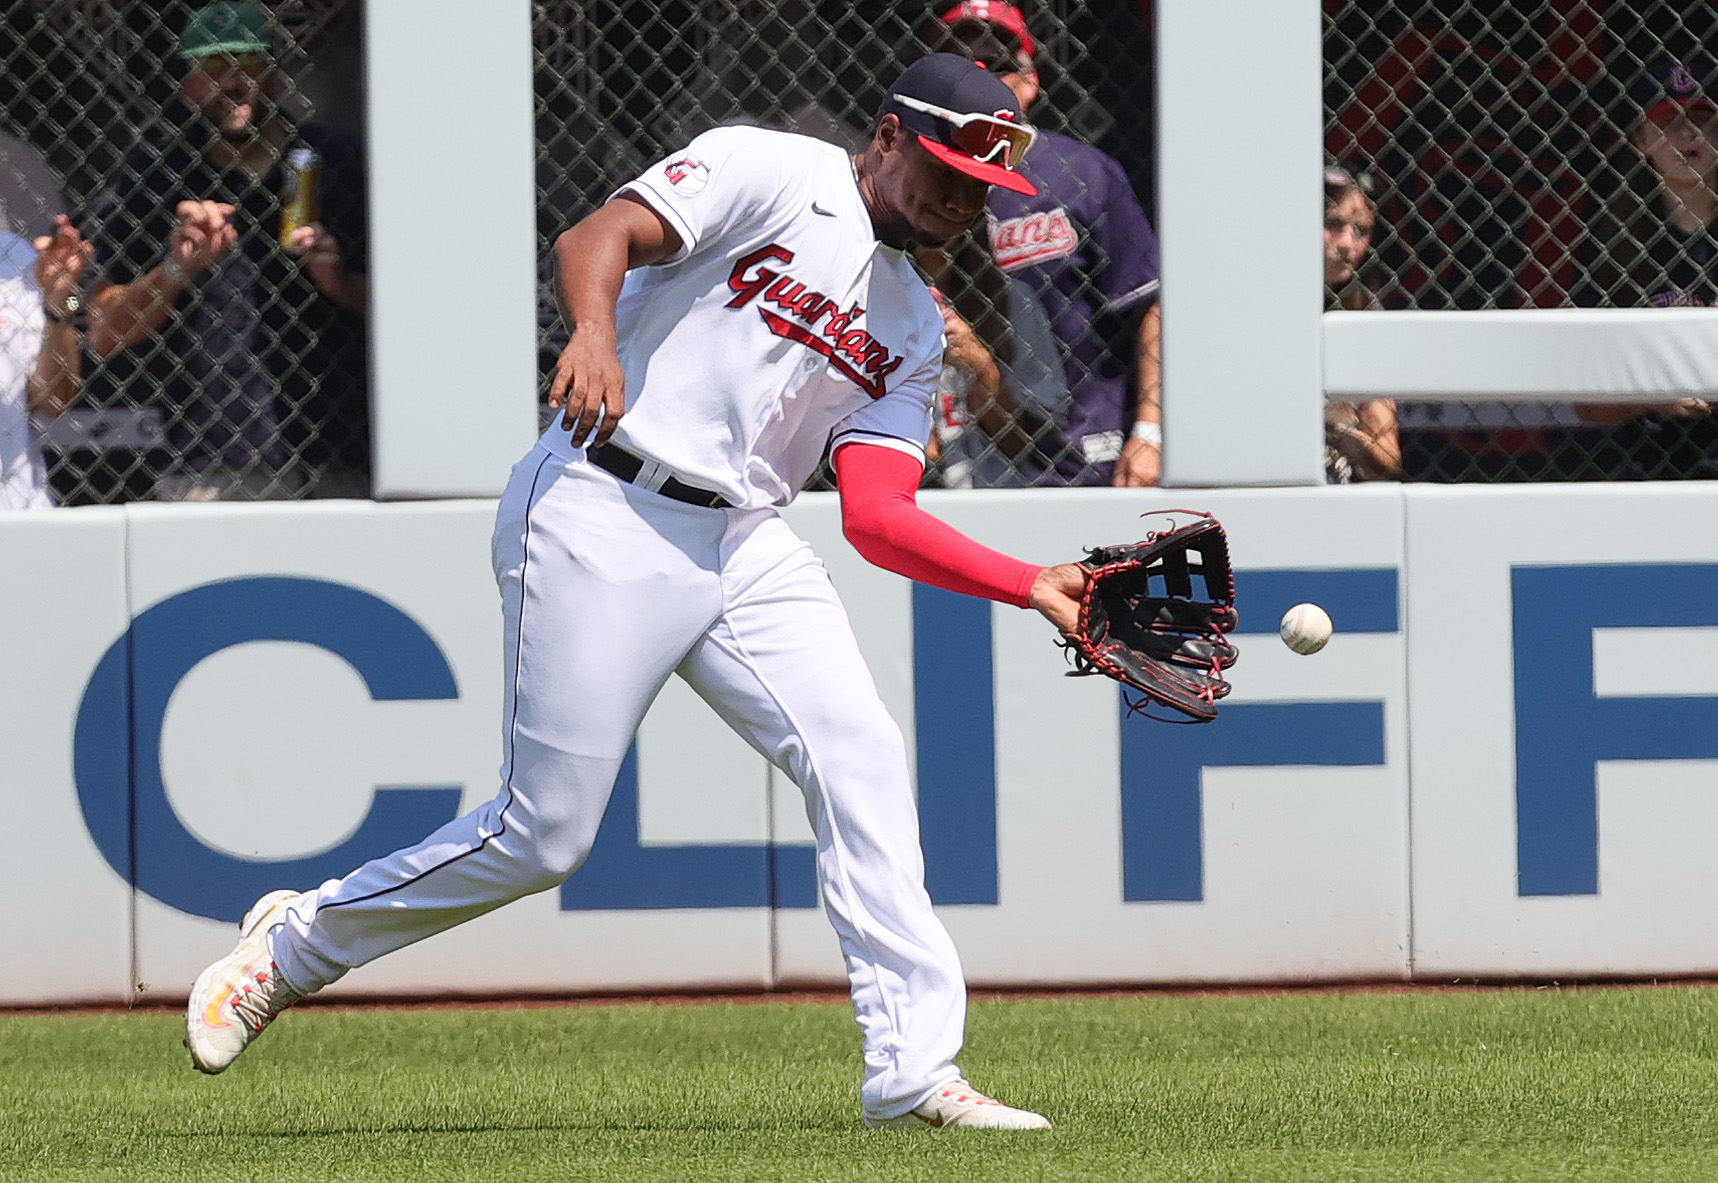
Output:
x,y
607,589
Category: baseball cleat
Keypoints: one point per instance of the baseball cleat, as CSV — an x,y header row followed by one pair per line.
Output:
x,y
957,1105
235,998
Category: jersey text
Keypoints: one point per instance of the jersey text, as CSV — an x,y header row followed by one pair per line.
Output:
x,y
854,352
1033,238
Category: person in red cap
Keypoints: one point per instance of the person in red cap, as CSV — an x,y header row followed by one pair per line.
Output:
x,y
1086,249
736,310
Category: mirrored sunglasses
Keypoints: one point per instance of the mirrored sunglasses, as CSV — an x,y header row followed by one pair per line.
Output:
x,y
991,139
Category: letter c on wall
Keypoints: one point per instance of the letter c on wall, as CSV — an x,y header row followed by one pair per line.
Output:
x,y
120,786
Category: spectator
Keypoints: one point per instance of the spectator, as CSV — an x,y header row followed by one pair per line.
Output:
x,y
39,364
1087,252
1656,245
1360,439
1002,380
255,350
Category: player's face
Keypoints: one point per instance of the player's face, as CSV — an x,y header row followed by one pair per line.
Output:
x,y
1347,235
936,203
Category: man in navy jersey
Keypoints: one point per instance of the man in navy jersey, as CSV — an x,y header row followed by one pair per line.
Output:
x,y
1084,247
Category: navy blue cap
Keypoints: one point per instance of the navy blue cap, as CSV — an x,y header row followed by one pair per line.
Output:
x,y
958,85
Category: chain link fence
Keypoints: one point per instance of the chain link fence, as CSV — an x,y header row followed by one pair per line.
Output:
x,y
1502,149
235,371
1530,155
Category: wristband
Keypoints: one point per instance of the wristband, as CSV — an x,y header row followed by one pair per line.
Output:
x,y
174,273
1150,433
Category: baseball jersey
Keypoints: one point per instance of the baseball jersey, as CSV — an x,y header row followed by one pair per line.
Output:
x,y
1085,248
23,476
780,323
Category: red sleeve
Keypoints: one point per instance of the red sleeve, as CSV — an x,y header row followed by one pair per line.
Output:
x,y
881,517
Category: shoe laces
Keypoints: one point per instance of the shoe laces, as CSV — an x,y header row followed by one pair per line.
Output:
x,y
260,995
962,1093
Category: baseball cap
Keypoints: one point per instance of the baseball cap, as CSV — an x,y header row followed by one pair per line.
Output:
x,y
965,117
225,28
993,12
1668,86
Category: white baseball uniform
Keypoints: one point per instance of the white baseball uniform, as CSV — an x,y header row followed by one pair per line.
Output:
x,y
780,323
23,475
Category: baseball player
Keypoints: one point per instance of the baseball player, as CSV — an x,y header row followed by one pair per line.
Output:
x,y
737,309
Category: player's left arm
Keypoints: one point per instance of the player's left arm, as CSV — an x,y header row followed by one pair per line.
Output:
x,y
881,517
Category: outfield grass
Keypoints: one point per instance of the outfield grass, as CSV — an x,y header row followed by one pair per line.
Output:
x,y
1516,1084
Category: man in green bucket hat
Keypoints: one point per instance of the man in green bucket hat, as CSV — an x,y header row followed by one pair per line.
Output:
x,y
248,335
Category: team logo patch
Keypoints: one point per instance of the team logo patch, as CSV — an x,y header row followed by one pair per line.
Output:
x,y
688,175
1033,238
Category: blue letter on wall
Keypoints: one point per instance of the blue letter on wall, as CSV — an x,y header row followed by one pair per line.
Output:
x,y
1162,857
1562,728
955,717
121,792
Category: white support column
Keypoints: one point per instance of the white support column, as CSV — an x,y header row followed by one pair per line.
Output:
x,y
1240,202
453,288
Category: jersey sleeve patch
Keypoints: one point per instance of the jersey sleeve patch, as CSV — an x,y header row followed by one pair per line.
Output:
x,y
687,175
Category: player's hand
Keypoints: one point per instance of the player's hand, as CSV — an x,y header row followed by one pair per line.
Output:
x,y
1056,593
203,232
61,258
1140,464
589,382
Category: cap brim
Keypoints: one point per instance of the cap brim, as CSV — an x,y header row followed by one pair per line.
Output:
x,y
993,174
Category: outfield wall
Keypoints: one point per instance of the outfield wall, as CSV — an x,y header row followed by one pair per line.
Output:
x,y
1504,764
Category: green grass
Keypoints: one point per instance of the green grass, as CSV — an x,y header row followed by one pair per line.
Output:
x,y
1516,1084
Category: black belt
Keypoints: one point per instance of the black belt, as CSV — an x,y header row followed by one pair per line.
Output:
x,y
617,460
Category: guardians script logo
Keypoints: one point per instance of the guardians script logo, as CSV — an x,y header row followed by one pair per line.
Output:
x,y
853,351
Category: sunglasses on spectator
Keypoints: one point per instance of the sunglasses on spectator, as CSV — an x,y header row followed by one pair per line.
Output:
x,y
991,139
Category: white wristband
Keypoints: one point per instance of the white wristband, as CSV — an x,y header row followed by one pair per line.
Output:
x,y
174,273
1151,433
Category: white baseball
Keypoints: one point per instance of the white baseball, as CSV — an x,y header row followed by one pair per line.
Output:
x,y
1306,628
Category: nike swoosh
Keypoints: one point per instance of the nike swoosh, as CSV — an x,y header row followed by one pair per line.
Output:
x,y
818,209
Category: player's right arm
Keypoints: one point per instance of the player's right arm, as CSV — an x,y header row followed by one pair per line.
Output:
x,y
881,517
591,262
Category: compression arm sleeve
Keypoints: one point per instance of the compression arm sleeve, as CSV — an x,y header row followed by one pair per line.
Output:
x,y
881,517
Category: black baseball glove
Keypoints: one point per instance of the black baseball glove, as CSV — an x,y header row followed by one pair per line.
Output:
x,y
1142,623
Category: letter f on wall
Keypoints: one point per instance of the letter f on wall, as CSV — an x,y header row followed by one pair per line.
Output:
x,y
1563,728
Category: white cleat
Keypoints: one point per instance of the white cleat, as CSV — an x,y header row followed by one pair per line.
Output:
x,y
957,1105
235,998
